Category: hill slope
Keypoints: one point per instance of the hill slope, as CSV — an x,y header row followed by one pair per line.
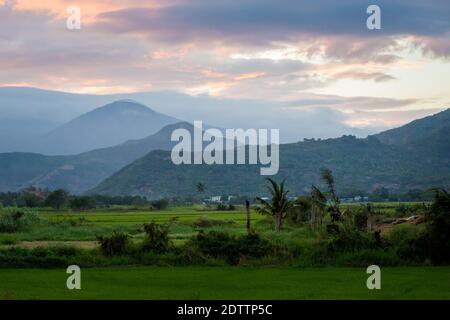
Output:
x,y
416,130
419,161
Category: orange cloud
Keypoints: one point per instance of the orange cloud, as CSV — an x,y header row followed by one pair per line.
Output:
x,y
252,75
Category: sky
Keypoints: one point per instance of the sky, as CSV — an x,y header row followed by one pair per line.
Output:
x,y
308,60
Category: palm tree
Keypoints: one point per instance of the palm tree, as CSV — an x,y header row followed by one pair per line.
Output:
x,y
327,177
279,203
318,202
303,205
200,187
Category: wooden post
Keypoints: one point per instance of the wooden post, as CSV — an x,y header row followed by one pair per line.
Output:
x,y
247,208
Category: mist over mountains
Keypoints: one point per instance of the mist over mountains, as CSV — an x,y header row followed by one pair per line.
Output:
x,y
28,113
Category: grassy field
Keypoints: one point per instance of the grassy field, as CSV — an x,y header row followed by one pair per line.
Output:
x,y
212,280
65,226
226,283
129,217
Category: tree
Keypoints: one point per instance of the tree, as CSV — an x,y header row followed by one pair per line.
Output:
x,y
279,203
57,199
327,177
31,200
82,203
437,235
160,204
380,194
200,187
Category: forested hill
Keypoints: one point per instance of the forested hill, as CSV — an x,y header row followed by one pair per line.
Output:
x,y
415,156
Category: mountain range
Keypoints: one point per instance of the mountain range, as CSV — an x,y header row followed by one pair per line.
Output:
x,y
416,155
358,164
29,113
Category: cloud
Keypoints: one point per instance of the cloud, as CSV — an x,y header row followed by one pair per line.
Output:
x,y
262,22
282,51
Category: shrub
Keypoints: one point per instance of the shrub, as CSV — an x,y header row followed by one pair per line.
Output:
x,y
407,242
434,242
205,222
436,239
38,257
160,204
360,218
403,210
223,207
116,244
231,248
347,238
157,238
14,220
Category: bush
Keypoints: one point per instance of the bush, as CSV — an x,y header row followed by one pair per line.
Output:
x,y
434,242
157,238
14,220
403,210
360,218
437,236
347,238
223,207
51,257
160,204
407,242
231,248
116,244
205,222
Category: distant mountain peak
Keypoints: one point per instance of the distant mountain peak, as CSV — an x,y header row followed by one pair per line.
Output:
x,y
106,126
125,104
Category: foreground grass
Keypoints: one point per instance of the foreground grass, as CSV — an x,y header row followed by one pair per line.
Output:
x,y
226,283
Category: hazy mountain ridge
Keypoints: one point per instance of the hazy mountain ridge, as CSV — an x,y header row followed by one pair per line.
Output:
x,y
26,112
106,126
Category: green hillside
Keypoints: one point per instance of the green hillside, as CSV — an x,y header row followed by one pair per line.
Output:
x,y
358,164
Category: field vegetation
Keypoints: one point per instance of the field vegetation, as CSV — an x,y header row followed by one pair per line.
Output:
x,y
312,230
